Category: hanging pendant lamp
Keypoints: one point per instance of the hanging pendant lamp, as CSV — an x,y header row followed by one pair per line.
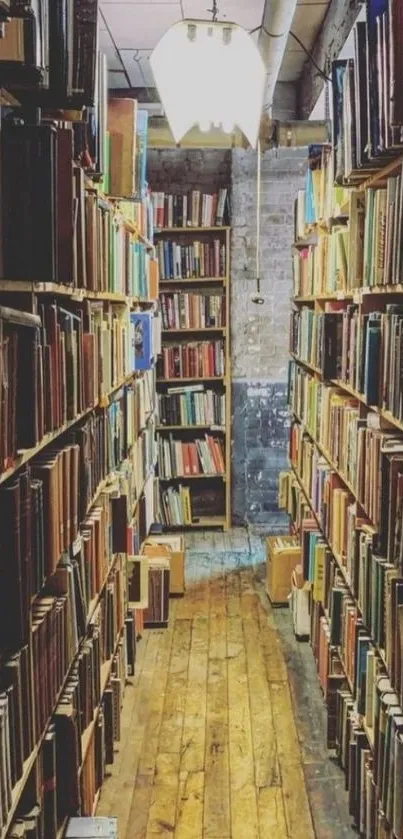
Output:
x,y
211,74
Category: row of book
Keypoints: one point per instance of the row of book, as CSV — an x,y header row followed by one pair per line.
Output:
x,y
65,363
367,101
195,209
115,260
57,623
177,458
192,311
193,405
50,56
68,233
322,201
323,267
347,634
190,260
183,505
202,359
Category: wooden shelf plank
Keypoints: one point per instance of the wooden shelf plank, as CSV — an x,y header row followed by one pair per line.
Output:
x,y
172,230
192,330
174,382
215,476
192,280
217,428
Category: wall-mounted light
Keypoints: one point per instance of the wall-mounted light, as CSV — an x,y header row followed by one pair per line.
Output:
x,y
211,74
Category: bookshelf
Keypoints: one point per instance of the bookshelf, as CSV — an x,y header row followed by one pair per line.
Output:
x,y
79,289
194,391
344,490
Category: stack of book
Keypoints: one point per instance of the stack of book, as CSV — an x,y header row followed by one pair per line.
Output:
x,y
194,210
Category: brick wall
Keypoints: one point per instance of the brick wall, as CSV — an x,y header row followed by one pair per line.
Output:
x,y
259,334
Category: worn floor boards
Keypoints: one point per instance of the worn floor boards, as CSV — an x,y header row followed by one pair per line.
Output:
x,y
223,724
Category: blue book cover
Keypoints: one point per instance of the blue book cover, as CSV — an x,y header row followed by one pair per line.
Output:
x,y
142,340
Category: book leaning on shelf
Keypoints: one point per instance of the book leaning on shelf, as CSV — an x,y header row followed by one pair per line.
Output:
x,y
195,209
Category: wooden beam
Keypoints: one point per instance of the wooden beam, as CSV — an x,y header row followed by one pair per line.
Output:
x,y
339,20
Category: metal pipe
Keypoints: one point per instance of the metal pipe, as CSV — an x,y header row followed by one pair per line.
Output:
x,y
276,24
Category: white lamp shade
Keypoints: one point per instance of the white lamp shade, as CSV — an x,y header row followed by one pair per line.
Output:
x,y
210,74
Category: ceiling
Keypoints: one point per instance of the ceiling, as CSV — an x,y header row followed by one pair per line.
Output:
x,y
130,29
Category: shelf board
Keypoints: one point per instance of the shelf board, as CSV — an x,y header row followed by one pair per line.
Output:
x,y
218,521
213,427
191,330
60,290
221,476
192,280
174,382
27,454
306,364
172,230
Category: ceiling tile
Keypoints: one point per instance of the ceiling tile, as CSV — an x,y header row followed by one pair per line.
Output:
x,y
135,29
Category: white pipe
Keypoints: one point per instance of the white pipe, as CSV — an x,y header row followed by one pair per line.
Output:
x,y
276,24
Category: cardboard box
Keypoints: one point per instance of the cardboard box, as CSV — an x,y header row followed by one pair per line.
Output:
x,y
281,561
174,548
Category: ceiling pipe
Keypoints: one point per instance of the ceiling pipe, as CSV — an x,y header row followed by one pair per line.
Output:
x,y
276,24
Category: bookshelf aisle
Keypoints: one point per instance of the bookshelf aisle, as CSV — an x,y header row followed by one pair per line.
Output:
x,y
79,334
193,372
345,491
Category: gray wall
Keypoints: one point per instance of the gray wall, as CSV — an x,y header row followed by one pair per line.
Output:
x,y
259,334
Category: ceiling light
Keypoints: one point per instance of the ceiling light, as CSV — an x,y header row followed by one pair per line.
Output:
x,y
211,74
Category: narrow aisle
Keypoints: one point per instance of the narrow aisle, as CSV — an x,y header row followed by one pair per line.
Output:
x,y
209,746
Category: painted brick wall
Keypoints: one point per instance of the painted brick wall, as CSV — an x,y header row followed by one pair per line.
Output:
x,y
259,334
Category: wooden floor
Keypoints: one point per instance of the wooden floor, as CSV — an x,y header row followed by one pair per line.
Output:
x,y
209,744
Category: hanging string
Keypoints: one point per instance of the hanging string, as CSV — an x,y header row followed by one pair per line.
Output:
x,y
214,11
257,298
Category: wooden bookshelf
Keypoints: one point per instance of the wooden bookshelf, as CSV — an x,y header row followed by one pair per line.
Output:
x,y
86,393
219,384
330,414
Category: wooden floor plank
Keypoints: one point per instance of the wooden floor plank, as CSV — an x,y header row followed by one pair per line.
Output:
x,y
242,775
272,822
144,779
189,824
296,803
176,689
210,746
194,727
267,771
217,820
120,794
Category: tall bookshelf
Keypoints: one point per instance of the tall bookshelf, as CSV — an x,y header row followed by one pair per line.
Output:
x,y
345,491
77,446
194,394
